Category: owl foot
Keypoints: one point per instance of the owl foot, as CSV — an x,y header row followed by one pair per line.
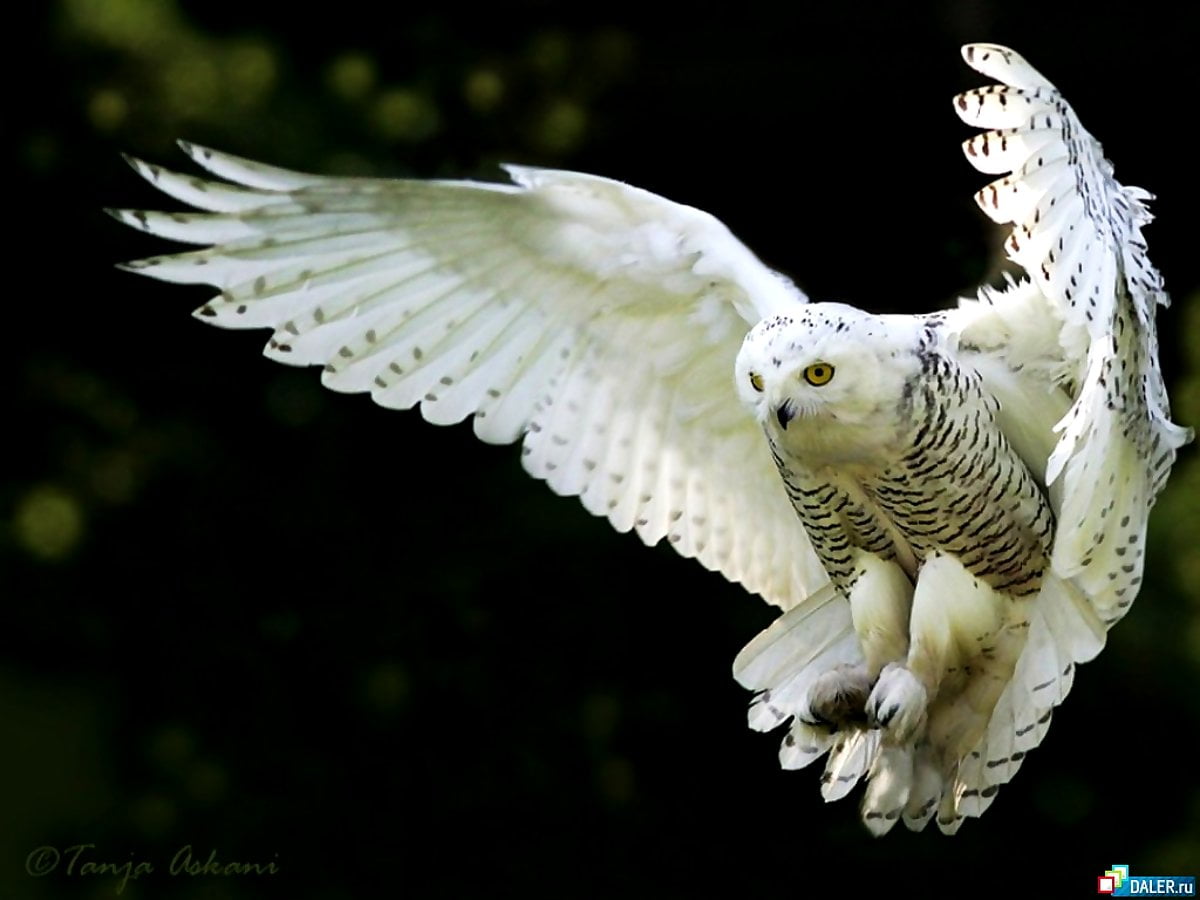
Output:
x,y
897,702
836,698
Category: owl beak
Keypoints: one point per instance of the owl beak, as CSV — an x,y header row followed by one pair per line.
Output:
x,y
785,413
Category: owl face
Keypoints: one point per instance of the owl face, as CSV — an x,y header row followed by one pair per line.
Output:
x,y
828,383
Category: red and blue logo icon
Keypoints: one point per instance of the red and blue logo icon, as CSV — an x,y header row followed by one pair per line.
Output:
x,y
1117,882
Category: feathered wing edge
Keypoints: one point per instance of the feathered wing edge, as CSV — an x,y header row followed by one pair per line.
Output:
x,y
592,320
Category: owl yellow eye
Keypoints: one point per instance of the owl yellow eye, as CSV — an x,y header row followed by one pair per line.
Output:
x,y
756,381
818,374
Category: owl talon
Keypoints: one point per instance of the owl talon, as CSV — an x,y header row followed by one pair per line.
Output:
x,y
836,698
897,702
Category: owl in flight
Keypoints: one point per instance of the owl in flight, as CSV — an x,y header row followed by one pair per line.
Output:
x,y
949,509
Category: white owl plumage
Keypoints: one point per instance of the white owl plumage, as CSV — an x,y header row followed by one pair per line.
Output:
x,y
949,509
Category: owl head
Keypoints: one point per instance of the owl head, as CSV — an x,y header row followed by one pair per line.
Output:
x,y
830,383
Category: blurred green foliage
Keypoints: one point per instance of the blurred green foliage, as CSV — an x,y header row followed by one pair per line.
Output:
x,y
247,615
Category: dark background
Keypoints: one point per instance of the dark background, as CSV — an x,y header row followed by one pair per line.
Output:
x,y
247,615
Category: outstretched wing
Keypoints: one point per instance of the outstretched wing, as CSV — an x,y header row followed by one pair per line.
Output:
x,y
595,320
1072,353
1093,292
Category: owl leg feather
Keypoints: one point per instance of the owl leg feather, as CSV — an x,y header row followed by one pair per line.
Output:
x,y
879,608
954,623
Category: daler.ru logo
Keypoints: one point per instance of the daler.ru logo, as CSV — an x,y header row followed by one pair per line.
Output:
x,y
1117,882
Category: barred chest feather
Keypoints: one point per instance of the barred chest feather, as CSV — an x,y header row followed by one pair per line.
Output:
x,y
953,485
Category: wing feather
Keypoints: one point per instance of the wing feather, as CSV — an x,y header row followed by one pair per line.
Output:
x,y
594,320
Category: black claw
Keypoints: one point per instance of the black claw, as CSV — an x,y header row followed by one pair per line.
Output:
x,y
881,719
814,720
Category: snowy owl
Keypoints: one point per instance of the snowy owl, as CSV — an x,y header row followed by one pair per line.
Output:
x,y
950,509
